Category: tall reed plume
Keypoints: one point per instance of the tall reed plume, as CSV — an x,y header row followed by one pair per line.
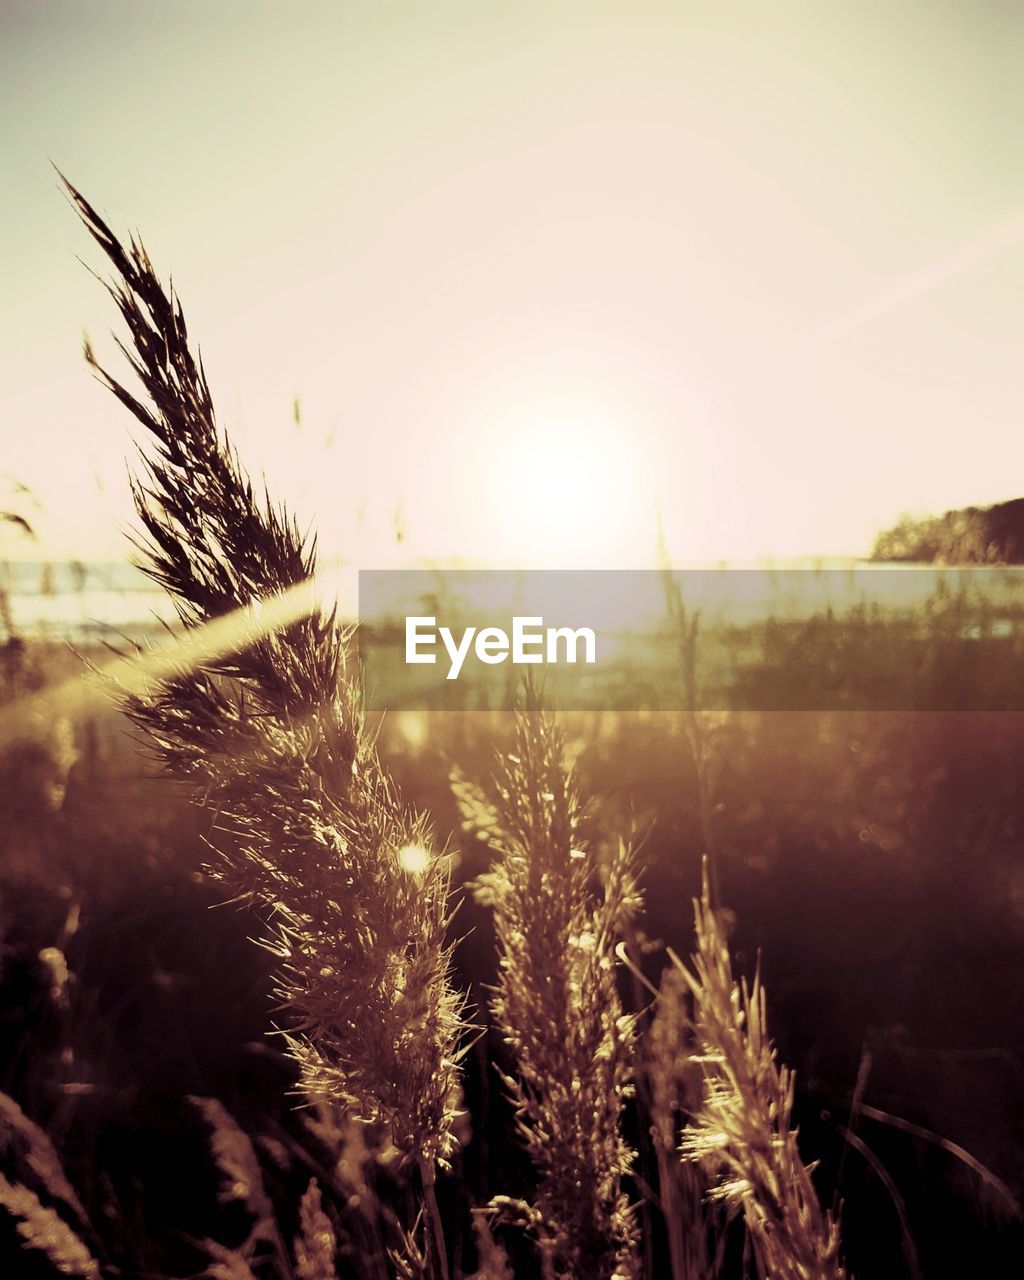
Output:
x,y
742,1133
671,1092
556,1003
311,826
56,1227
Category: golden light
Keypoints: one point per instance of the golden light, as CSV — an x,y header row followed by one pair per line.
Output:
x,y
571,484
414,859
412,725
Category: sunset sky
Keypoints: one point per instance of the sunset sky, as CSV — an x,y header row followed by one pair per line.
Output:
x,y
534,272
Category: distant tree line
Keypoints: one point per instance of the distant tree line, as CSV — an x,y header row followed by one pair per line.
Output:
x,y
970,535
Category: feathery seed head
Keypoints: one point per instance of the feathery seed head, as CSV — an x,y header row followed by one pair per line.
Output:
x,y
273,735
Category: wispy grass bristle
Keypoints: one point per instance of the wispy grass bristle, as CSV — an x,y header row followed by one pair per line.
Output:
x,y
273,737
17,1130
315,1244
43,1229
672,1091
557,1006
742,1132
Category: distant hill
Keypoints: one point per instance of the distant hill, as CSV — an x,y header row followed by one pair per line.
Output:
x,y
971,535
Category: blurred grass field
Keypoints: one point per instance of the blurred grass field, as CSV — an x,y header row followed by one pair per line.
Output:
x,y
870,860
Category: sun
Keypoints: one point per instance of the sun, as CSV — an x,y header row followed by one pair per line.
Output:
x,y
572,487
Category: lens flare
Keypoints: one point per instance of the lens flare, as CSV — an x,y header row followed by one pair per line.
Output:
x,y
414,859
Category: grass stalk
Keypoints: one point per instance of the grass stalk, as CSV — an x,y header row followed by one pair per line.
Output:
x,y
439,1248
311,827
556,1002
742,1132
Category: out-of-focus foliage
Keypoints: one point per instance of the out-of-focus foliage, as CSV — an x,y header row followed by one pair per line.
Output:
x,y
970,535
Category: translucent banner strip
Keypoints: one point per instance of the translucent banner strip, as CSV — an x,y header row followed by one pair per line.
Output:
x,y
858,638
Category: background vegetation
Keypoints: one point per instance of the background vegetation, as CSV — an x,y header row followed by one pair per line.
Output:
x,y
607,1102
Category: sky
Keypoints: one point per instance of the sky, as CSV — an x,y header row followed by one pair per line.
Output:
x,y
539,278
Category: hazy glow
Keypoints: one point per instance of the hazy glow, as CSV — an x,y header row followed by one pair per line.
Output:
x,y
136,675
412,725
414,859
569,485
759,265
562,486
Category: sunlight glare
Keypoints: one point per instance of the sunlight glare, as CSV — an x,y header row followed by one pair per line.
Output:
x,y
572,488
414,859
